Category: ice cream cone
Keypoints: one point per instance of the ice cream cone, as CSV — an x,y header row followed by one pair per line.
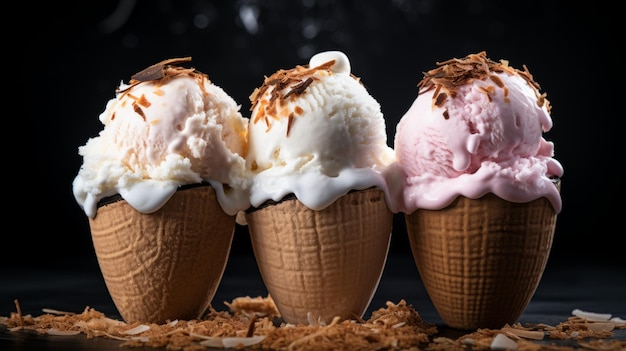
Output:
x,y
481,260
318,265
164,265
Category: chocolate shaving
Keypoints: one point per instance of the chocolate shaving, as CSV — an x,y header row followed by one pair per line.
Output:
x,y
299,88
139,111
157,71
162,72
440,99
289,123
446,114
454,73
250,331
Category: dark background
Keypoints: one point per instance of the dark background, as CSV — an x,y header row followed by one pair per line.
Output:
x,y
571,49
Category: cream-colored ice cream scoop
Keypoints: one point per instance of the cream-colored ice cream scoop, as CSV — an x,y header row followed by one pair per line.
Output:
x,y
161,185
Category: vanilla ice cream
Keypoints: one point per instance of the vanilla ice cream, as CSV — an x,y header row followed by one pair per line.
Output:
x,y
168,127
476,127
315,132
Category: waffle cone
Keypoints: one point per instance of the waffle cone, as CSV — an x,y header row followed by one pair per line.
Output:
x,y
164,265
481,259
318,265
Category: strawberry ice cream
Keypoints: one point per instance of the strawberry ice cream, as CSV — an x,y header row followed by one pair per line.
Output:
x,y
476,127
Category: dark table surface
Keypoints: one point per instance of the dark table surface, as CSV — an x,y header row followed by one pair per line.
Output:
x,y
564,287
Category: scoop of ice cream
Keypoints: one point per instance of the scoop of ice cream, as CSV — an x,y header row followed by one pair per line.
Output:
x,y
476,127
169,127
316,132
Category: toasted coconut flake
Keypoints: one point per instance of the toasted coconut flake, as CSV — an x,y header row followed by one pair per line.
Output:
x,y
137,330
601,326
262,306
502,342
115,337
442,340
53,311
244,341
394,328
140,338
545,326
591,316
200,336
19,312
467,341
312,321
54,331
109,322
604,345
527,334
212,342
398,325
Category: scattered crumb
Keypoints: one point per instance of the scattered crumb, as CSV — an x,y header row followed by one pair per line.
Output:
x,y
250,324
263,306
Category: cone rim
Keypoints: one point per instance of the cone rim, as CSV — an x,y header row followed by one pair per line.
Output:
x,y
292,196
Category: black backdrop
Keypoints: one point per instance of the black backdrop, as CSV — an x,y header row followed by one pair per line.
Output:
x,y
570,49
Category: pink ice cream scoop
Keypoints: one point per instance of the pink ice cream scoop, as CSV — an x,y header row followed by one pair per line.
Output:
x,y
476,127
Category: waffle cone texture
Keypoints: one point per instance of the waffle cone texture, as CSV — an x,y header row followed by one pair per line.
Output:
x,y
164,265
318,265
481,260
